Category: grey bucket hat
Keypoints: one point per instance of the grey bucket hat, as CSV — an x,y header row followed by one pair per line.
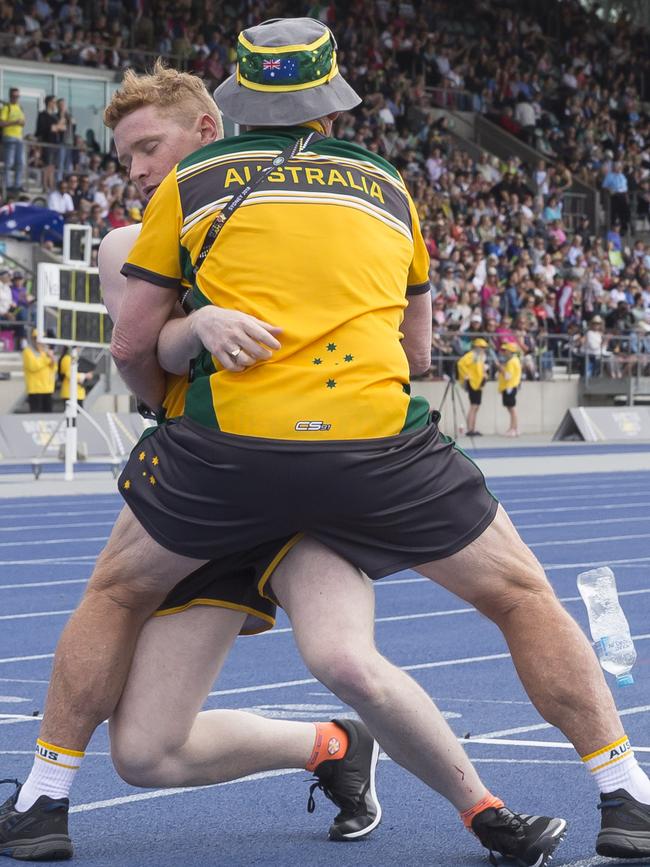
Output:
x,y
286,75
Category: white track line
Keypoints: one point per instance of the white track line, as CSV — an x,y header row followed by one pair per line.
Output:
x,y
597,860
29,614
57,526
60,514
568,489
582,564
75,540
50,561
43,584
553,499
593,509
40,502
588,539
630,711
508,742
164,793
627,520
9,659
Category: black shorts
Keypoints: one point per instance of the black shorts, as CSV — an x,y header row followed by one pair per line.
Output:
x,y
475,395
234,582
509,397
383,504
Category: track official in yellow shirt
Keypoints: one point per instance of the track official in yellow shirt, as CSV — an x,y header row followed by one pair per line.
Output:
x,y
509,382
39,368
472,373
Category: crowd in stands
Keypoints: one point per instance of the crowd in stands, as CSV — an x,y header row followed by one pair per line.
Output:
x,y
506,260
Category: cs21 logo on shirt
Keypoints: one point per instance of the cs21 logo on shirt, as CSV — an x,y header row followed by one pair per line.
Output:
x,y
310,426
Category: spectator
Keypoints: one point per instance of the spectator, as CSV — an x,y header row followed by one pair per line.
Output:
x,y
60,200
23,301
39,366
12,123
117,218
621,319
82,193
102,198
6,300
525,117
594,344
99,226
66,130
615,182
48,133
640,349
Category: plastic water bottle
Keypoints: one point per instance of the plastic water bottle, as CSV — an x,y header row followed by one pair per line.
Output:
x,y
610,630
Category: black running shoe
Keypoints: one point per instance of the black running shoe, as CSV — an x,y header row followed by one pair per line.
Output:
x,y
624,826
38,834
350,784
529,840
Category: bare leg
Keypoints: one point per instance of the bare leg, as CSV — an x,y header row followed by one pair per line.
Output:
x,y
471,417
331,607
502,578
158,736
132,576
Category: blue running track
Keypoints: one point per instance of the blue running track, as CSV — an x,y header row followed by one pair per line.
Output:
x,y
47,547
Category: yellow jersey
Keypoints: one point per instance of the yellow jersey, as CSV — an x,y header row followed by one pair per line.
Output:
x,y
64,369
12,112
471,368
510,374
39,370
327,248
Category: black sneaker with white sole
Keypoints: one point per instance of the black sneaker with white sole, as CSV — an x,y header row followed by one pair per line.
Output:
x,y
527,840
350,784
38,834
624,826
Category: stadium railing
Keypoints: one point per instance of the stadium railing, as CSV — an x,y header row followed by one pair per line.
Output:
x,y
555,356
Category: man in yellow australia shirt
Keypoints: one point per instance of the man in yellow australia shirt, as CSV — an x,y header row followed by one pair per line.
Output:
x,y
509,381
471,373
12,123
39,366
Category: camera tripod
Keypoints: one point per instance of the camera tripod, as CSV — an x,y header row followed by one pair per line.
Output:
x,y
453,391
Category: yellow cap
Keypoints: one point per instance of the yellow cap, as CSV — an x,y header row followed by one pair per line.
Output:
x,y
480,342
510,347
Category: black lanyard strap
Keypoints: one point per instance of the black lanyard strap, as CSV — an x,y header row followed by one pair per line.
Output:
x,y
229,209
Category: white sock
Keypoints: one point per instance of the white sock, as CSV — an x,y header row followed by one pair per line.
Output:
x,y
615,767
52,774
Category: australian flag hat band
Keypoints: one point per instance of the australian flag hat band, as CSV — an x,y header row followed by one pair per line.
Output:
x,y
288,67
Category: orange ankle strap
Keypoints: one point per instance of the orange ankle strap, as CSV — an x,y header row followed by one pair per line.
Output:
x,y
485,803
331,742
